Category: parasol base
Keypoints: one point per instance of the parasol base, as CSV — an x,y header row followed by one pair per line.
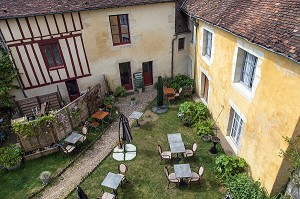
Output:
x,y
130,153
160,109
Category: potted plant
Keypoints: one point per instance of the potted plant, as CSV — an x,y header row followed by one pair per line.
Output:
x,y
132,101
109,100
120,91
10,157
45,177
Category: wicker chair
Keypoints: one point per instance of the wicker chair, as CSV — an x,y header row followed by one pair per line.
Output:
x,y
106,195
171,177
164,154
196,177
189,152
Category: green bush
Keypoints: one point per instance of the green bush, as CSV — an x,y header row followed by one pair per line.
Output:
x,y
109,100
242,186
120,91
178,81
10,156
227,166
193,113
205,127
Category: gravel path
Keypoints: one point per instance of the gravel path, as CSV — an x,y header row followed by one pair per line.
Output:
x,y
91,158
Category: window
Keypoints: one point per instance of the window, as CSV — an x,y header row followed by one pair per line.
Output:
x,y
52,55
119,29
207,43
236,127
181,44
248,69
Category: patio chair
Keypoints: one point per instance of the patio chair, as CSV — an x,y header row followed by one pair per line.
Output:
x,y
179,94
189,152
95,125
84,132
164,154
171,98
123,170
106,195
65,148
171,177
196,177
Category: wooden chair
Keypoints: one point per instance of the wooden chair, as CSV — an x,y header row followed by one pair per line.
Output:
x,y
84,132
196,177
190,152
171,177
164,154
170,98
123,170
95,125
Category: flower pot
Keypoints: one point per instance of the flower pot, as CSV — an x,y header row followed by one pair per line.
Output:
x,y
132,102
207,138
140,90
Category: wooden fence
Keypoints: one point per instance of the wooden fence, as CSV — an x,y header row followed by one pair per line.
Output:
x,y
67,118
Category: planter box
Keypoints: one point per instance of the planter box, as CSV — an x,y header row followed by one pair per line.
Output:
x,y
40,154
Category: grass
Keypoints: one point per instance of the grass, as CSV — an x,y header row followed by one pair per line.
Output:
x,y
146,174
24,181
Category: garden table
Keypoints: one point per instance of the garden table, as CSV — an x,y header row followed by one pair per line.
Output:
x,y
100,115
136,115
182,171
174,137
112,181
169,91
73,138
177,147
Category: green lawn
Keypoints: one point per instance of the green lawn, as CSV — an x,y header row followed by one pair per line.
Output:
x,y
146,175
21,183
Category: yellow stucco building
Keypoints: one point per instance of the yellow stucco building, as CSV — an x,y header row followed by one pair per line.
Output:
x,y
252,90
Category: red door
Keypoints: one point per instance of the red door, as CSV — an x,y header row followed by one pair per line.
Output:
x,y
73,89
125,75
147,73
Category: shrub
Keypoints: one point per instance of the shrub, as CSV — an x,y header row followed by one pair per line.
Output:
x,y
120,91
10,156
205,127
109,100
242,186
227,166
178,81
193,113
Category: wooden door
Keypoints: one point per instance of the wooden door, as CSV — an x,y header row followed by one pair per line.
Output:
x,y
206,86
125,75
147,73
73,89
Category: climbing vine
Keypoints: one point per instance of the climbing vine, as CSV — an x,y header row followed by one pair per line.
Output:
x,y
31,128
8,74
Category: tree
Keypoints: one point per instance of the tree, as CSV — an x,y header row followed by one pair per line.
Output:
x,y
8,74
160,97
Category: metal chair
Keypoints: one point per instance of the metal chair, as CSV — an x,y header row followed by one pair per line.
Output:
x,y
171,177
179,94
106,195
65,148
123,170
196,177
84,132
189,152
164,154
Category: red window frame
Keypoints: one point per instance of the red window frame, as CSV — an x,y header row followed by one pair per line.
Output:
x,y
120,31
51,43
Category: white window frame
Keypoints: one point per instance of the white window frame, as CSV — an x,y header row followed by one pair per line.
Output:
x,y
236,128
207,59
235,146
238,58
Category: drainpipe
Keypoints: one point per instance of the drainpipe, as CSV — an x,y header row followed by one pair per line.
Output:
x,y
172,60
195,51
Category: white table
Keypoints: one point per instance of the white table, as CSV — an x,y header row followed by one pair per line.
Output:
x,y
174,137
182,171
136,115
112,181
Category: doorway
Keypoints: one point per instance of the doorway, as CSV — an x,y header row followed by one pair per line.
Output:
x,y
204,87
73,89
147,73
125,75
